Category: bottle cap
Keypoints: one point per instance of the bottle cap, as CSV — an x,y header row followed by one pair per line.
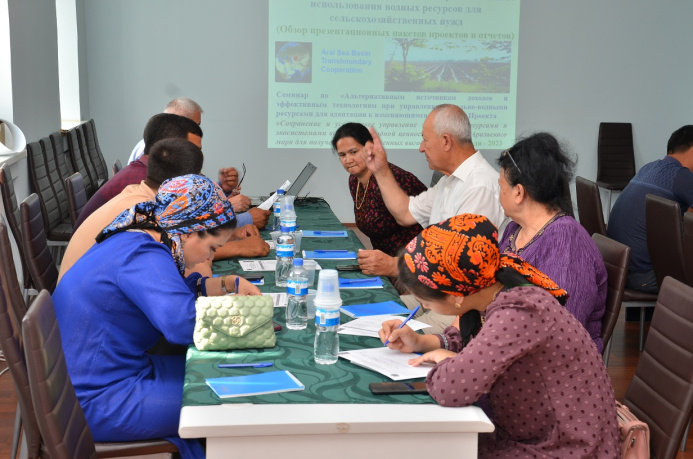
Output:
x,y
328,295
298,261
280,191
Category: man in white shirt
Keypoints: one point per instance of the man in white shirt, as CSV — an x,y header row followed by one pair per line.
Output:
x,y
469,185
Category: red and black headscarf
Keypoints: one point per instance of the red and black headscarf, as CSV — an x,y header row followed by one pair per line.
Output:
x,y
460,256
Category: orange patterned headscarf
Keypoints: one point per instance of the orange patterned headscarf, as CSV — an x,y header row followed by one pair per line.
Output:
x,y
460,256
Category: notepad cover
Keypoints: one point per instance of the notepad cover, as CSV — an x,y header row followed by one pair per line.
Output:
x,y
256,384
374,309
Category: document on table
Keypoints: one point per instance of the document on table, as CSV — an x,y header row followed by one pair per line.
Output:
x,y
267,205
370,325
258,265
281,300
388,362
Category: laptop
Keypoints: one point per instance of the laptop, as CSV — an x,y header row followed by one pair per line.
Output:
x,y
296,186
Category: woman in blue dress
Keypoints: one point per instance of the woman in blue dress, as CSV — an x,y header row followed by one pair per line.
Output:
x,y
127,292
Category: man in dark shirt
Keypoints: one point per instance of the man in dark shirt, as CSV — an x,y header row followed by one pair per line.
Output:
x,y
670,178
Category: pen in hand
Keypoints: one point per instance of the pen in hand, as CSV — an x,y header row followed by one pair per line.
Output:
x,y
238,279
405,321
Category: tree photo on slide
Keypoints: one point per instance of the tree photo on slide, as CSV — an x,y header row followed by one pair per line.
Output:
x,y
419,64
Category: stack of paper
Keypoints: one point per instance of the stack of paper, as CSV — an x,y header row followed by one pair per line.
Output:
x,y
256,384
374,309
371,325
393,364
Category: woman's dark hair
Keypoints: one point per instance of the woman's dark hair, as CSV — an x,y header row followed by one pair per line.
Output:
x,y
543,166
408,282
218,229
357,131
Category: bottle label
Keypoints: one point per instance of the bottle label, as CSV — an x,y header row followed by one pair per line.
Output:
x,y
297,287
287,223
277,209
327,317
285,250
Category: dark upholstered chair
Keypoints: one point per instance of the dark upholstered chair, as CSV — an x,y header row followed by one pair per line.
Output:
x,y
62,156
39,259
615,157
76,195
59,415
9,201
616,257
117,166
665,238
589,204
661,391
91,141
12,310
688,245
77,154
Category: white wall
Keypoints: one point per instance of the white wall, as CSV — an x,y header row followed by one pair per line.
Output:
x,y
580,63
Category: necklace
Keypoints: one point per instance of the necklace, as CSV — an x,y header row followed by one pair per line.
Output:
x,y
365,192
513,237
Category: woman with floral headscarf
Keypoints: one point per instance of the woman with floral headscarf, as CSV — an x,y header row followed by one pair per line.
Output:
x,y
127,292
547,385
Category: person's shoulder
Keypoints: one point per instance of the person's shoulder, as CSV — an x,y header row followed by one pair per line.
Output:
x,y
530,298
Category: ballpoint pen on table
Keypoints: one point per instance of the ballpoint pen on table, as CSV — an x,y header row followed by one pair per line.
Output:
x,y
238,279
405,321
359,281
330,251
246,365
328,232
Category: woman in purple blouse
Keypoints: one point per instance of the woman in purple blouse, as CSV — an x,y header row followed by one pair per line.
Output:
x,y
372,216
534,179
546,382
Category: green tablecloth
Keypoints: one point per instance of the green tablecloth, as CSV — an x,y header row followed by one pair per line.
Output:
x,y
342,382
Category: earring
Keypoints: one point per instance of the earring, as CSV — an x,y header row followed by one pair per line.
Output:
x,y
458,305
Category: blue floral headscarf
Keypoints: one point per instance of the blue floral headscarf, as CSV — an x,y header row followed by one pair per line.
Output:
x,y
187,204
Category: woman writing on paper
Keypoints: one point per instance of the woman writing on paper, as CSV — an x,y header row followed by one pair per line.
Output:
x,y
545,380
534,178
372,216
128,291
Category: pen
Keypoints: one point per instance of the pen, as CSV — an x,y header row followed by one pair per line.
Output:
x,y
358,281
330,251
246,365
237,281
328,232
405,321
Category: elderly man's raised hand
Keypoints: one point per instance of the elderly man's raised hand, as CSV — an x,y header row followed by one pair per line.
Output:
x,y
374,154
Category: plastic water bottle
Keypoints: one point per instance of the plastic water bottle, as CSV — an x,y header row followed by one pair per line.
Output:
x,y
287,215
327,304
276,210
285,256
297,289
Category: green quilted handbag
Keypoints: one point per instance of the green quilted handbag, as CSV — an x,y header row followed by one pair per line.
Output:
x,y
234,322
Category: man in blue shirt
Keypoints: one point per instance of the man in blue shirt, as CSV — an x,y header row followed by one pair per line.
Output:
x,y
670,178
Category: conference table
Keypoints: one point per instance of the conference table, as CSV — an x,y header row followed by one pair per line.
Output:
x,y
336,415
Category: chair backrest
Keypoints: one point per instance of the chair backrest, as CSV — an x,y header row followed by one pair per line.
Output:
x,y
117,166
94,150
9,201
661,391
74,140
57,182
589,203
12,311
615,156
688,245
40,179
665,238
62,158
39,258
76,194
60,417
616,257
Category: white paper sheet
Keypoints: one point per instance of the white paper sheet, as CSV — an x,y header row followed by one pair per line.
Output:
x,y
258,265
393,364
267,205
370,325
281,300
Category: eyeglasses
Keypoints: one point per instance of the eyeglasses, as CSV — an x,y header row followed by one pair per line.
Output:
x,y
507,152
241,180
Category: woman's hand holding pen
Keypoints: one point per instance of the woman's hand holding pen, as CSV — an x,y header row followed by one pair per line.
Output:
x,y
401,339
244,287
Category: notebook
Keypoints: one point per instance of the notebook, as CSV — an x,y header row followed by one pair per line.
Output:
x,y
374,309
256,384
296,186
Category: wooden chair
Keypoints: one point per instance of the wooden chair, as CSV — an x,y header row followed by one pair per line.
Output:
x,y
589,203
616,257
60,418
76,195
39,258
661,391
615,157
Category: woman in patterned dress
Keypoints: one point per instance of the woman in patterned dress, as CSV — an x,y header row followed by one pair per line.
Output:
x,y
545,380
372,216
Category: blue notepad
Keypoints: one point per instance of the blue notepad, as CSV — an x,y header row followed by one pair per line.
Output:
x,y
257,384
308,233
367,282
329,254
374,309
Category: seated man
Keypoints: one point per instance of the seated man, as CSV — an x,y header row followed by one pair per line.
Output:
x,y
469,185
670,178
168,158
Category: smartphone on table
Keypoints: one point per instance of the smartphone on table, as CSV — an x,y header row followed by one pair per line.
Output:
x,y
386,388
255,279
354,267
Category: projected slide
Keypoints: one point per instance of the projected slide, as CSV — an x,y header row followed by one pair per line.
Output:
x,y
387,64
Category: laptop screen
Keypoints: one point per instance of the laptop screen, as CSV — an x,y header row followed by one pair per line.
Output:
x,y
301,180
